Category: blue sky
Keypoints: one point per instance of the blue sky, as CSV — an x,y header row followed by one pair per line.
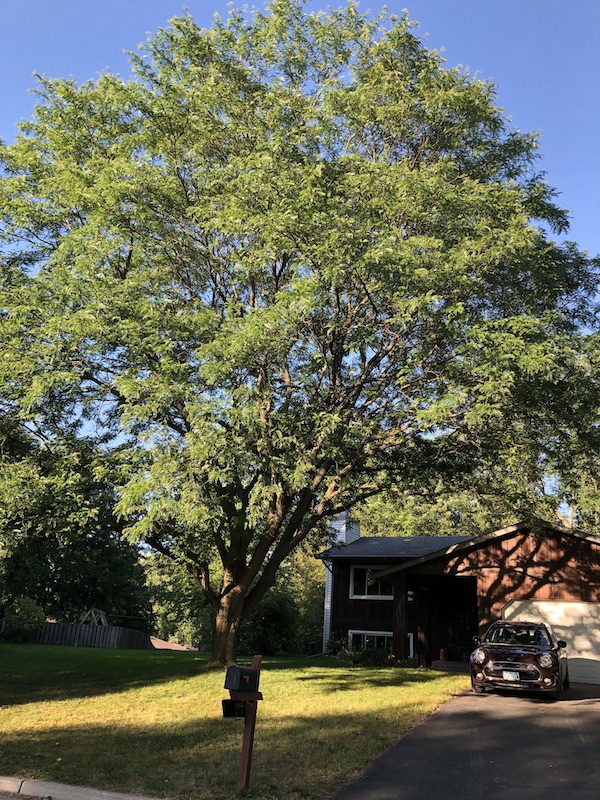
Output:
x,y
544,56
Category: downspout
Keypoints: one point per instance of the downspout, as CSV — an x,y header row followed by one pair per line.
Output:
x,y
327,606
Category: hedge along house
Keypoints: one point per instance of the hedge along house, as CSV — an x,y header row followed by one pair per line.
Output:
x,y
426,597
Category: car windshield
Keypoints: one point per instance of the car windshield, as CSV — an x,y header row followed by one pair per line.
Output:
x,y
527,635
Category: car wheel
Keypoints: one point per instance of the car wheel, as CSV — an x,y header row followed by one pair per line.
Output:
x,y
476,688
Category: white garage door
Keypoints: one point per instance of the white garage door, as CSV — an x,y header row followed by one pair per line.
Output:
x,y
577,623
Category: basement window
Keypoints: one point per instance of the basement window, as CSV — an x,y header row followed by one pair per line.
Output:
x,y
365,640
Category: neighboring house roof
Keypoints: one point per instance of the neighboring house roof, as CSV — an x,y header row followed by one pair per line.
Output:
x,y
392,548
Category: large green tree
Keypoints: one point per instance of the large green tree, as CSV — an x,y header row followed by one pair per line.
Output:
x,y
294,260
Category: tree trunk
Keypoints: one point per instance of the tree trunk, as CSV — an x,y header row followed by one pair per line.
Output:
x,y
228,619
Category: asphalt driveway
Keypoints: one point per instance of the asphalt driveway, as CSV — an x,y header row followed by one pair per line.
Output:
x,y
494,747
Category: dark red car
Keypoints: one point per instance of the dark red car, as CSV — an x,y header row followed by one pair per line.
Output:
x,y
520,655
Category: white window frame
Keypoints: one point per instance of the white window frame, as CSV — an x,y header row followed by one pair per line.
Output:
x,y
387,634
365,596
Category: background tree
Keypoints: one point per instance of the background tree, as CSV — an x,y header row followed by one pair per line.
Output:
x,y
454,514
61,544
303,576
474,510
289,620
180,612
293,262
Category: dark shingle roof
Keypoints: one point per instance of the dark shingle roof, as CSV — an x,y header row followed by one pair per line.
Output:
x,y
392,548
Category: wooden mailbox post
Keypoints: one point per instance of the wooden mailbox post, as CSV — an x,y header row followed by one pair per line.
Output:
x,y
242,683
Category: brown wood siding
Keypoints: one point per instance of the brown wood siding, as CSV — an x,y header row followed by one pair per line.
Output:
x,y
527,566
348,614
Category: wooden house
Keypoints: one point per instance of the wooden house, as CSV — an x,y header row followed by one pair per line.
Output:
x,y
425,597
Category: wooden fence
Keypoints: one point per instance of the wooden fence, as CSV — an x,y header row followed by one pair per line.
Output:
x,y
67,633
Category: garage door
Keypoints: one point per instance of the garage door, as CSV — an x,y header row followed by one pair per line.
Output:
x,y
577,623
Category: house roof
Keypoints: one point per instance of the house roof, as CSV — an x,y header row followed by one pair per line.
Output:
x,y
471,542
392,548
404,552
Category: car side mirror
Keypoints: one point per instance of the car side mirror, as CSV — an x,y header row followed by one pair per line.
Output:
x,y
561,643
476,640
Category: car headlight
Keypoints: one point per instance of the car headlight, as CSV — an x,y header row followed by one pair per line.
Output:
x,y
478,656
546,660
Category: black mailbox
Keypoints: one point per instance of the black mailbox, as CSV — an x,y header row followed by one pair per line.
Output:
x,y
241,679
234,708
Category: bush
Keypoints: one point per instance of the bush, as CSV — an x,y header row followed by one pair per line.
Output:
x,y
195,630
23,619
369,657
337,645
373,657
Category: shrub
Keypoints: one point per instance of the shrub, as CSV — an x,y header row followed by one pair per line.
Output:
x,y
23,619
373,657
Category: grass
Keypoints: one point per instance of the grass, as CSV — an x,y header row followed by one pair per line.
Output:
x,y
151,722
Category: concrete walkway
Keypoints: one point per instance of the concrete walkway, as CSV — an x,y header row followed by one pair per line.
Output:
x,y
19,788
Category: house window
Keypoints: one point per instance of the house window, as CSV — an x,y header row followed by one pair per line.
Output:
x,y
382,640
364,586
363,640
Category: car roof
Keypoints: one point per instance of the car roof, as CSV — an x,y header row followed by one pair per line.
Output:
x,y
520,622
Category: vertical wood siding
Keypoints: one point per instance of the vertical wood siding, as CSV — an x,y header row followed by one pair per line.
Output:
x,y
349,613
531,566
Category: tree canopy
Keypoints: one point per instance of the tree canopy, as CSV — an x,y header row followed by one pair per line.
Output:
x,y
293,261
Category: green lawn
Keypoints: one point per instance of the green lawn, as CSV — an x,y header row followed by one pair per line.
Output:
x,y
151,722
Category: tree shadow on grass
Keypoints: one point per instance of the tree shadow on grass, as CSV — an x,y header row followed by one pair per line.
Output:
x,y
34,673
39,673
294,757
342,676
181,747
354,678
